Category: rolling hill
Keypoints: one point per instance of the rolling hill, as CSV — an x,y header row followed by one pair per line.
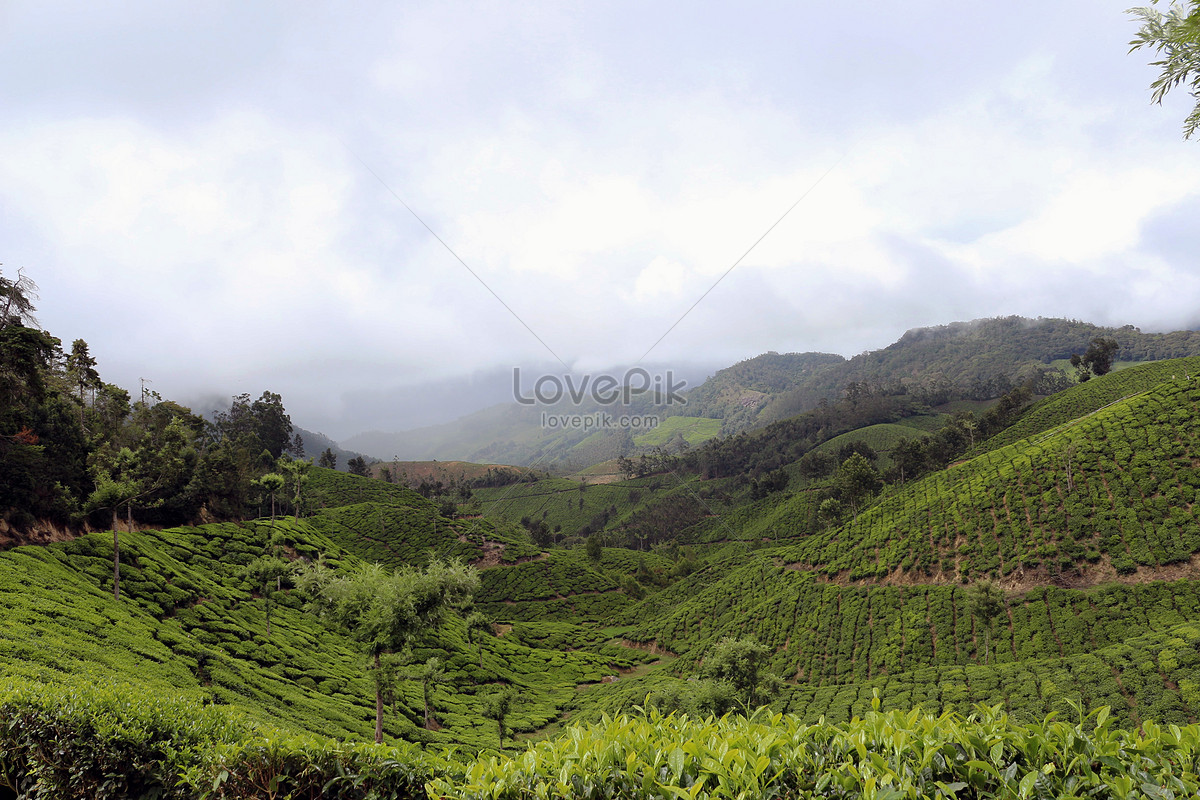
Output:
x,y
981,359
607,604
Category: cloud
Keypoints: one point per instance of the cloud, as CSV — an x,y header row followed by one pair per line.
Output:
x,y
207,197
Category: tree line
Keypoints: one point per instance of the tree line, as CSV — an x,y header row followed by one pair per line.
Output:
x,y
76,450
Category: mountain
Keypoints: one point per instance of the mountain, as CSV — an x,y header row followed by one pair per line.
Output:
x,y
315,444
981,359
1080,515
978,360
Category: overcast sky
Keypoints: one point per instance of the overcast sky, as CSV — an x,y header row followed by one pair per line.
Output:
x,y
204,191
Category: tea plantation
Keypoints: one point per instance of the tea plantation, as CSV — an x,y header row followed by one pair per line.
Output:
x,y
202,681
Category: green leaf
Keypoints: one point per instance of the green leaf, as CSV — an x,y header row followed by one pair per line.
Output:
x,y
675,759
983,766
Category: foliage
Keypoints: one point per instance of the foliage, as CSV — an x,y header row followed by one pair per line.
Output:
x,y
1097,360
1175,37
883,755
79,740
386,611
742,664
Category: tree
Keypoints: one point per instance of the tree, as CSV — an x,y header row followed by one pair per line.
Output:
x,y
986,601
387,611
82,368
267,571
16,301
272,483
909,457
1097,359
1175,37
594,547
25,358
297,473
478,626
272,424
1100,354
328,460
358,466
625,466
430,674
742,664
856,480
111,492
497,706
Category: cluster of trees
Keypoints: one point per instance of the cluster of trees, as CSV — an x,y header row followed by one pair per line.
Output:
x,y
1097,359
541,533
387,612
734,679
651,463
782,443
917,456
75,448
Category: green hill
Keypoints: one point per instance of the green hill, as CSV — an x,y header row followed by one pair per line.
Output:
x,y
1111,492
189,621
877,565
1069,407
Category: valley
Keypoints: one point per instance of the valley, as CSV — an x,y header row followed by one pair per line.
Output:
x,y
848,549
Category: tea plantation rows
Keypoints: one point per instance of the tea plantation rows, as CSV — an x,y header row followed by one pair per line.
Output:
x,y
1118,486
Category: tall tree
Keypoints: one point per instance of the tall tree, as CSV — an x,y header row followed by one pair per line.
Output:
x,y
1175,37
1097,359
986,601
358,466
478,626
272,423
386,611
16,300
266,572
272,483
856,481
497,706
430,674
328,459
82,369
297,474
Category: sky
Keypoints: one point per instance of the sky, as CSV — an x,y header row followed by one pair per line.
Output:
x,y
216,196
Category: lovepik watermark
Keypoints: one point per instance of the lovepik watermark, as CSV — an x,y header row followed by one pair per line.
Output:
x,y
600,420
605,389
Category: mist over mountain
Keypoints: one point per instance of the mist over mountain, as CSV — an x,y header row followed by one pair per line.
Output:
x,y
451,419
980,358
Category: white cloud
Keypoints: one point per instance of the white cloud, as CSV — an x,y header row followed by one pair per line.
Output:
x,y
214,225
661,277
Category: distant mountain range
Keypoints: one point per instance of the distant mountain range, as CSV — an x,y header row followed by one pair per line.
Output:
x,y
979,359
317,443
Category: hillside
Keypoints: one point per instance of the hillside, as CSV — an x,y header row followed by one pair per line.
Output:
x,y
979,360
315,444
899,550
983,358
190,621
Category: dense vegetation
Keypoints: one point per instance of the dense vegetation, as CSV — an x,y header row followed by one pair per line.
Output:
x,y
871,569
77,450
